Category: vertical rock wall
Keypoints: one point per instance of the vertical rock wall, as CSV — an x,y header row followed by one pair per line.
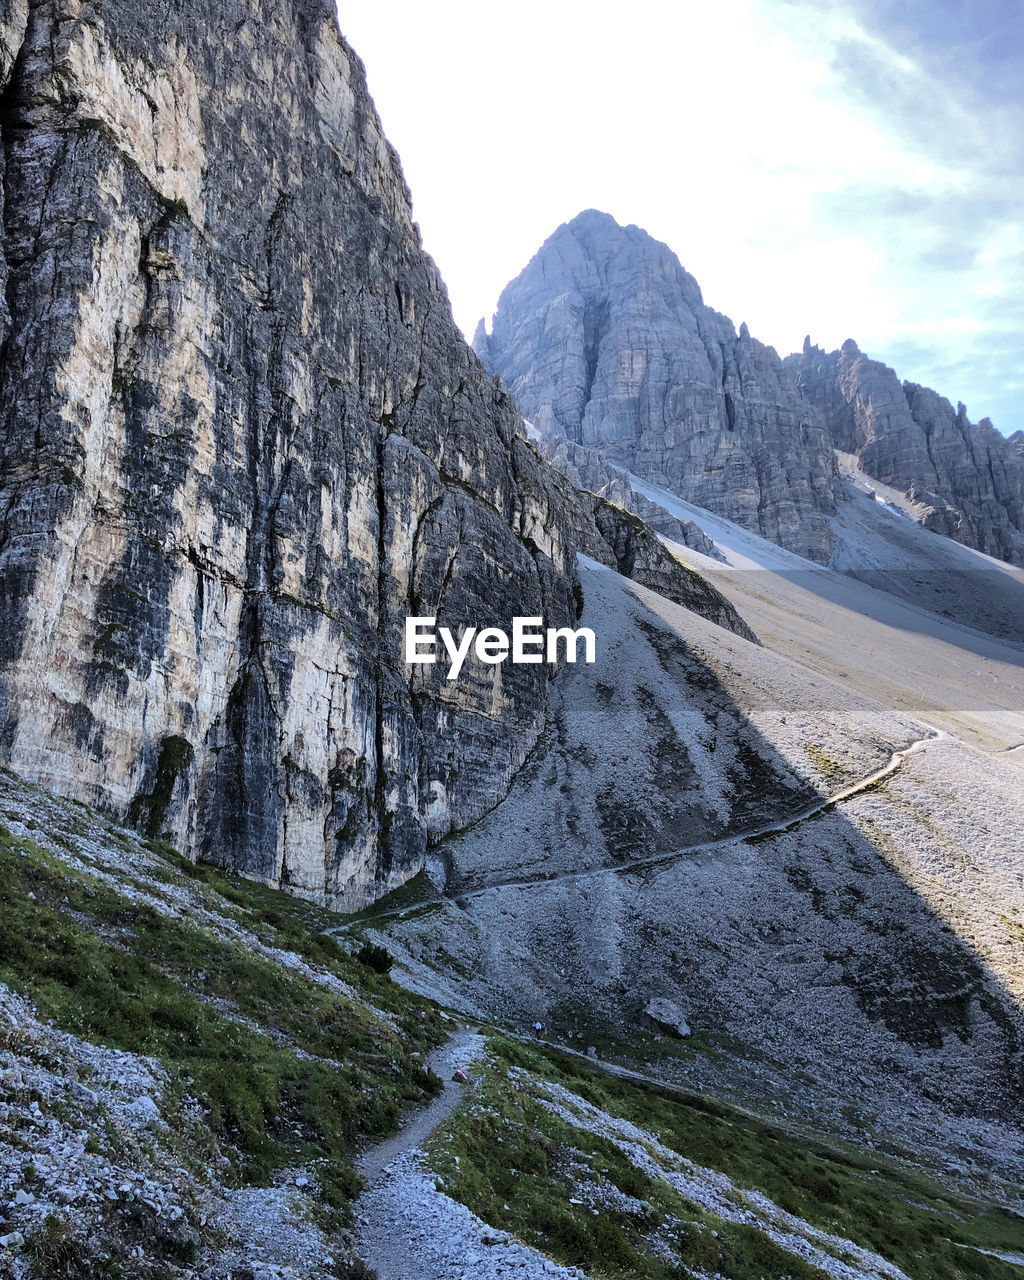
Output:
x,y
240,440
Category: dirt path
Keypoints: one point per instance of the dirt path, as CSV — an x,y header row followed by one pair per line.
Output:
x,y
659,859
460,1051
409,1230
772,828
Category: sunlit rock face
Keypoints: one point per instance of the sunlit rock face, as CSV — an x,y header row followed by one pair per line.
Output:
x,y
604,339
242,440
967,479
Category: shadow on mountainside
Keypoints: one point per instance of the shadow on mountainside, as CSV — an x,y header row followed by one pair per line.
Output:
x,y
980,610
806,962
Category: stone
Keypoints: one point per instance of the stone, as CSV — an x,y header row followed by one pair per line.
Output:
x,y
83,1094
667,1016
143,1110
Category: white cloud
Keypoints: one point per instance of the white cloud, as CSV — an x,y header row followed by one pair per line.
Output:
x,y
811,170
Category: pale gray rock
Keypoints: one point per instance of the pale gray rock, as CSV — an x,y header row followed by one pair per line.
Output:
x,y
606,340
667,1016
587,469
241,439
966,478
642,556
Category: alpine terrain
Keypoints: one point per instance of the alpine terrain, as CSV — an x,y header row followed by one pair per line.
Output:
x,y
702,959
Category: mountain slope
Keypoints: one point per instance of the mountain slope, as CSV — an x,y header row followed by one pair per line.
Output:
x,y
824,878
907,644
604,339
193,1069
188,1064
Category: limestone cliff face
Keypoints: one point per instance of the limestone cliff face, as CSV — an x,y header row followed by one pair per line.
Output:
x,y
241,441
587,469
968,479
606,340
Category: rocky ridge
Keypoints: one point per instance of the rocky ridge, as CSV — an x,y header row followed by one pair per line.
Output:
x,y
587,469
606,341
608,347
965,479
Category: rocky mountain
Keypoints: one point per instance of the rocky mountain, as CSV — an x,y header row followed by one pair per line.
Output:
x,y
966,480
604,339
606,343
242,439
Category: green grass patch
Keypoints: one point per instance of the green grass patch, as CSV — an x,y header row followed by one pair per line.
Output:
x,y
529,1172
418,892
123,974
293,924
928,1231
826,765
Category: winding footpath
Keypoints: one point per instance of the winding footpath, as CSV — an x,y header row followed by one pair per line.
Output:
x,y
773,828
655,860
461,1050
408,1229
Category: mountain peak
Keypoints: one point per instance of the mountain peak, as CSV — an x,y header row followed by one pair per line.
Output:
x,y
594,218
605,339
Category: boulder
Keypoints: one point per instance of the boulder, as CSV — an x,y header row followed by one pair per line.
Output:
x,y
667,1016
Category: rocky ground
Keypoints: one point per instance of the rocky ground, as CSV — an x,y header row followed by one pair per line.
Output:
x,y
187,1066
837,917
410,1230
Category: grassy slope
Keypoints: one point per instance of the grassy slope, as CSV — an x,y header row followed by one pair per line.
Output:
x,y
292,1063
559,1167
297,1052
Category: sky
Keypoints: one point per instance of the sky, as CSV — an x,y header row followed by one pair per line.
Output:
x,y
843,168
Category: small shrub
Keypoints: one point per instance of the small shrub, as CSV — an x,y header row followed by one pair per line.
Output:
x,y
54,1251
378,958
353,1268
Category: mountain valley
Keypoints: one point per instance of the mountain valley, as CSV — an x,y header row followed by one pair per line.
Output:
x,y
702,961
